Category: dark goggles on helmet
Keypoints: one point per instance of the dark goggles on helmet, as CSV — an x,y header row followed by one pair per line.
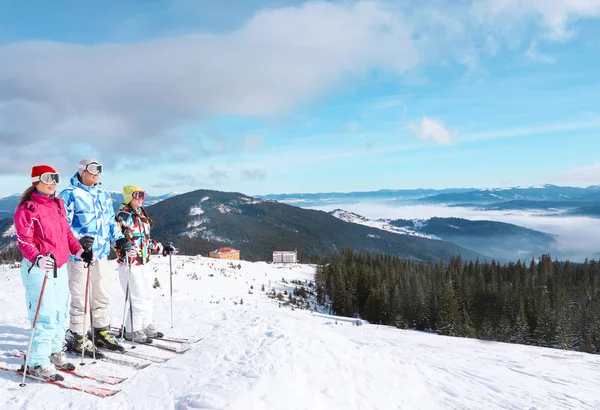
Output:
x,y
139,195
94,168
50,178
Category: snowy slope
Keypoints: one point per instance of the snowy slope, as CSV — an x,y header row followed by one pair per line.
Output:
x,y
382,224
257,355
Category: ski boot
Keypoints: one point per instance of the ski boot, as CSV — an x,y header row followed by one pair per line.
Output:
x,y
138,337
44,371
59,360
152,333
77,343
106,340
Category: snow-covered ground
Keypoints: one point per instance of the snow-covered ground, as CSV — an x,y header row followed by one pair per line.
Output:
x,y
257,355
382,224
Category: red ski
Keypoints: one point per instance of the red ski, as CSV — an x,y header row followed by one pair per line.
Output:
x,y
96,391
85,375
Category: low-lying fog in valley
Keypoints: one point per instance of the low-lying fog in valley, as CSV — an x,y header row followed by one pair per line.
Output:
x,y
577,237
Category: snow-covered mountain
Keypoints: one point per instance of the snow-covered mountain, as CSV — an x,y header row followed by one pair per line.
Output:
x,y
204,220
550,199
258,355
538,193
481,195
383,224
497,240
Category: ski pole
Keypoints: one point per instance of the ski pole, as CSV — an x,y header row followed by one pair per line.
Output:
x,y
171,280
92,318
130,301
37,312
125,309
85,313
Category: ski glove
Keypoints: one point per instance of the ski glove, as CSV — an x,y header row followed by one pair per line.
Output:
x,y
45,263
87,242
87,256
169,249
126,246
132,253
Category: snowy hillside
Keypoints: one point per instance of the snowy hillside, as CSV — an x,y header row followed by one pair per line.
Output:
x,y
382,224
257,355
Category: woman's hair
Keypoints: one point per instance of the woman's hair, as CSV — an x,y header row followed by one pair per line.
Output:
x,y
26,195
147,218
144,217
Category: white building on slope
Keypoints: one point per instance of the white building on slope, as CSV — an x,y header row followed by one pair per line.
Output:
x,y
285,256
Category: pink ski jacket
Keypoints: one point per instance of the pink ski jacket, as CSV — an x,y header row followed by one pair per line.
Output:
x,y
42,227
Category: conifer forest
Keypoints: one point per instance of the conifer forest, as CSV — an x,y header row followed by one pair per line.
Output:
x,y
541,302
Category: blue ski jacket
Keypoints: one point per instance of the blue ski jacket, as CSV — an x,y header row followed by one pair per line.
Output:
x,y
90,213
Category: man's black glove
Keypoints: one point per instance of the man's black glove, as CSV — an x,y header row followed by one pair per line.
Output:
x,y
87,256
87,242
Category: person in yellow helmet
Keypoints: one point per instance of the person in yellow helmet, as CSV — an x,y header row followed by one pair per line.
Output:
x,y
136,225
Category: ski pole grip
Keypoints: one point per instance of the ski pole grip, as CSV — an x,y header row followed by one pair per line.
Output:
x,y
55,267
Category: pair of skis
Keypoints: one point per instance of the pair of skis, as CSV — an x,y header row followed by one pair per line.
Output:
x,y
110,357
83,374
98,377
184,343
117,332
95,390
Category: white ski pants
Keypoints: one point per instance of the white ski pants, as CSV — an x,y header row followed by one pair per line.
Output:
x,y
99,293
142,295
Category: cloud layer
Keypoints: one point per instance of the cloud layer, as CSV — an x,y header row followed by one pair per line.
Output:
x,y
60,100
104,95
577,237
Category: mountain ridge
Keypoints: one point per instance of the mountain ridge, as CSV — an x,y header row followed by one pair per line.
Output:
x,y
258,227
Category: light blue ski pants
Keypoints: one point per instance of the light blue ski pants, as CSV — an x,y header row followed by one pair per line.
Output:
x,y
50,328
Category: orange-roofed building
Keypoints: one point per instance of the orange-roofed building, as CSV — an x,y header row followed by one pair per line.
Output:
x,y
225,253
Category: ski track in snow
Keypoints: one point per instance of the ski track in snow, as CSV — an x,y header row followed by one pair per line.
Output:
x,y
257,355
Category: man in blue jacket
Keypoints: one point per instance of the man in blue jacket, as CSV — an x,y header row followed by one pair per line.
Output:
x,y
90,213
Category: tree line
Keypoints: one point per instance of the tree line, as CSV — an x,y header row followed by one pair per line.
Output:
x,y
543,303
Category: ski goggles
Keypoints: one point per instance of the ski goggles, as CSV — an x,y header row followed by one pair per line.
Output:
x,y
94,168
48,178
139,195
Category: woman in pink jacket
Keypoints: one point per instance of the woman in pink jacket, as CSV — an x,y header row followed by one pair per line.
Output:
x,y
46,241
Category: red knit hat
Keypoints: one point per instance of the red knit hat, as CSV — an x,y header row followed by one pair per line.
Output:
x,y
38,170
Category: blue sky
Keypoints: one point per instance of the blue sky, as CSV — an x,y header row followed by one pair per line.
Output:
x,y
288,96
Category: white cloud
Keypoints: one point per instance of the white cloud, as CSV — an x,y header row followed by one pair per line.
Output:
x,y
431,129
253,174
533,130
109,93
535,55
553,16
253,143
590,173
98,97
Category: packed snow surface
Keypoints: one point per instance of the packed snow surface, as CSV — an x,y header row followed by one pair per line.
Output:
x,y
257,355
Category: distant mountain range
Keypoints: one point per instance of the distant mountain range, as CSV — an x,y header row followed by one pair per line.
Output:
x,y
203,220
552,200
551,193
389,195
500,240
